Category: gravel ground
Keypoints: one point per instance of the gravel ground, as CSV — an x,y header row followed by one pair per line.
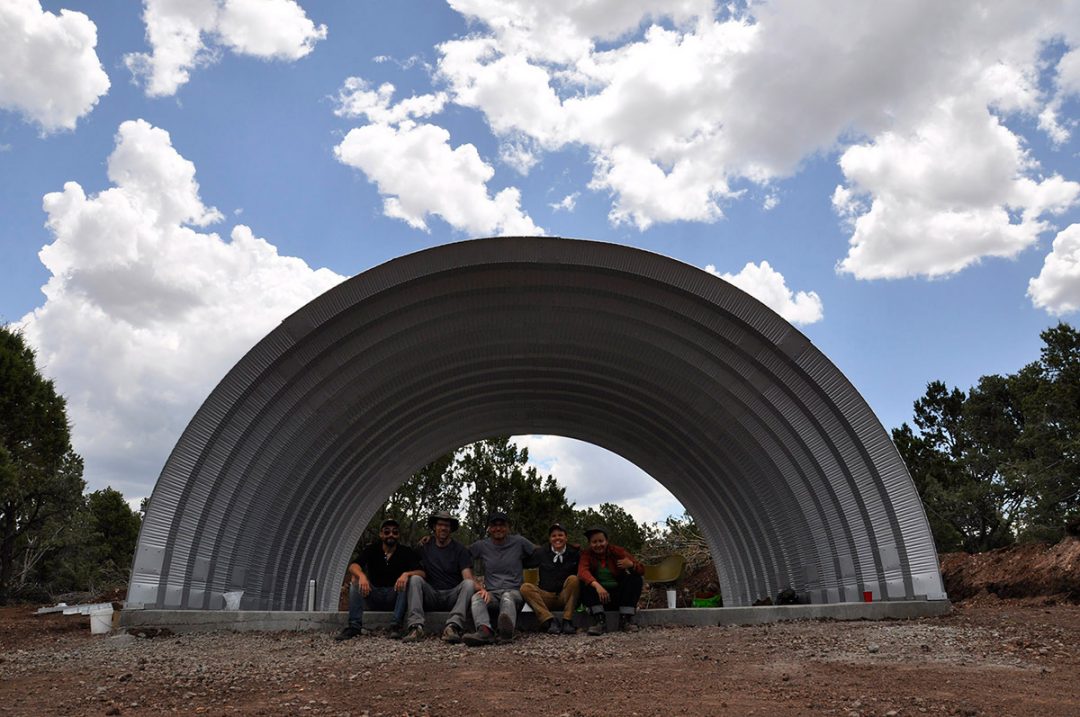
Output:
x,y
991,658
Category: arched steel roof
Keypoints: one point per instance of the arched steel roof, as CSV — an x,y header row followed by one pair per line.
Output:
x,y
790,475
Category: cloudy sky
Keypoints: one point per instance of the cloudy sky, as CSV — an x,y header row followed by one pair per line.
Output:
x,y
900,179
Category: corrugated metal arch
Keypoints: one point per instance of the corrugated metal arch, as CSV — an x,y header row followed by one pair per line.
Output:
x,y
790,475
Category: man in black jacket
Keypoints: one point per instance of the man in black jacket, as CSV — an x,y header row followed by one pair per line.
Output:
x,y
378,578
559,587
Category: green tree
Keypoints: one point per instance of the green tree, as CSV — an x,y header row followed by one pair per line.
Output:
x,y
496,476
621,527
40,475
960,489
95,548
471,482
116,526
434,487
1002,461
1050,443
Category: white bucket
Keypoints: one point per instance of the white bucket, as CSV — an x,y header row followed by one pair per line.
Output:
x,y
101,621
232,599
671,599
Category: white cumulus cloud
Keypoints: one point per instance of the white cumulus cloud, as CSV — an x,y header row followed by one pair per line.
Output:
x,y
184,35
1057,287
49,70
594,475
566,204
144,313
770,288
356,98
418,172
681,104
958,187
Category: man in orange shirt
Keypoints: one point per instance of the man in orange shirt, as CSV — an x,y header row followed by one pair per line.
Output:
x,y
609,575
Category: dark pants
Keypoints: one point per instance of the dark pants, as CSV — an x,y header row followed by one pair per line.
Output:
x,y
624,596
377,599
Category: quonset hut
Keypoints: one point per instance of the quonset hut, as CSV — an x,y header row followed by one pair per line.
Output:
x,y
779,459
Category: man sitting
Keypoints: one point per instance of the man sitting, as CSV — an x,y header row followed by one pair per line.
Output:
x,y
558,585
447,583
504,556
378,579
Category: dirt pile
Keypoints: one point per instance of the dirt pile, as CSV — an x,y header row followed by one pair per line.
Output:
x,y
1019,571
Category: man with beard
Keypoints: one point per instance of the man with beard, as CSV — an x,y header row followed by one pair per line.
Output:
x,y
378,580
447,583
504,557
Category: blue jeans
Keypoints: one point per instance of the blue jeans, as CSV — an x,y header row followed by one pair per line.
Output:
x,y
377,599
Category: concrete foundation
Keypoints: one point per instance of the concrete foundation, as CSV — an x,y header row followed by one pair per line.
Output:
x,y
181,621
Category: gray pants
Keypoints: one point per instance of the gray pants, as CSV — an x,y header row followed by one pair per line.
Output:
x,y
424,597
507,602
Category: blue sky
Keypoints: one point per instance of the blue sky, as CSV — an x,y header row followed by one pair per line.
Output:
x,y
901,181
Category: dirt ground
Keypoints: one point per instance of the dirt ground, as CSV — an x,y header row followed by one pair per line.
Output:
x,y
1010,647
989,657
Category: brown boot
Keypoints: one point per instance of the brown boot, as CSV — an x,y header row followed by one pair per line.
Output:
x,y
599,624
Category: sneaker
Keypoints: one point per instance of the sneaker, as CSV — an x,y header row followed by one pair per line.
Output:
x,y
348,634
599,624
451,634
552,626
627,624
506,626
415,634
395,632
568,627
482,636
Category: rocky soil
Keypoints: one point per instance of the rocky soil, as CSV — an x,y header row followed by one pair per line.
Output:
x,y
1011,647
990,657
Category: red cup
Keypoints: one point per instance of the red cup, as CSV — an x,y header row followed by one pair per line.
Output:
x,y
868,596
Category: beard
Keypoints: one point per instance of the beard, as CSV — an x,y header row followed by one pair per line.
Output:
x,y
390,542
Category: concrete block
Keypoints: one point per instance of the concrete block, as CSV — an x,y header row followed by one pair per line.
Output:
x,y
181,621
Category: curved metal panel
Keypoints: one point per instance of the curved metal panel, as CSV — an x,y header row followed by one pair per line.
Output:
x,y
792,478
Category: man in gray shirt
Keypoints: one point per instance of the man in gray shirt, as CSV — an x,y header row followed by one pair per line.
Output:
x,y
447,583
504,557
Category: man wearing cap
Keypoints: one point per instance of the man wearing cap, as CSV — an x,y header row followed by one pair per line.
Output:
x,y
504,557
378,578
558,585
610,577
447,583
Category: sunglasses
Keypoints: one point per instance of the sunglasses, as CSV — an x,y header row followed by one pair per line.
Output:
x,y
391,531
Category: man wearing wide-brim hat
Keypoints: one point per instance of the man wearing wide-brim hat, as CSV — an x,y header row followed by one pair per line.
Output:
x,y
610,578
447,583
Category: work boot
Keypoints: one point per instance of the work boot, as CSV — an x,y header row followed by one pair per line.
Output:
x,y
451,634
552,626
348,634
599,624
506,626
415,634
627,624
395,631
482,636
568,626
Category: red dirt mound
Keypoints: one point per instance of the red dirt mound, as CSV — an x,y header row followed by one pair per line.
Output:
x,y
1019,571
